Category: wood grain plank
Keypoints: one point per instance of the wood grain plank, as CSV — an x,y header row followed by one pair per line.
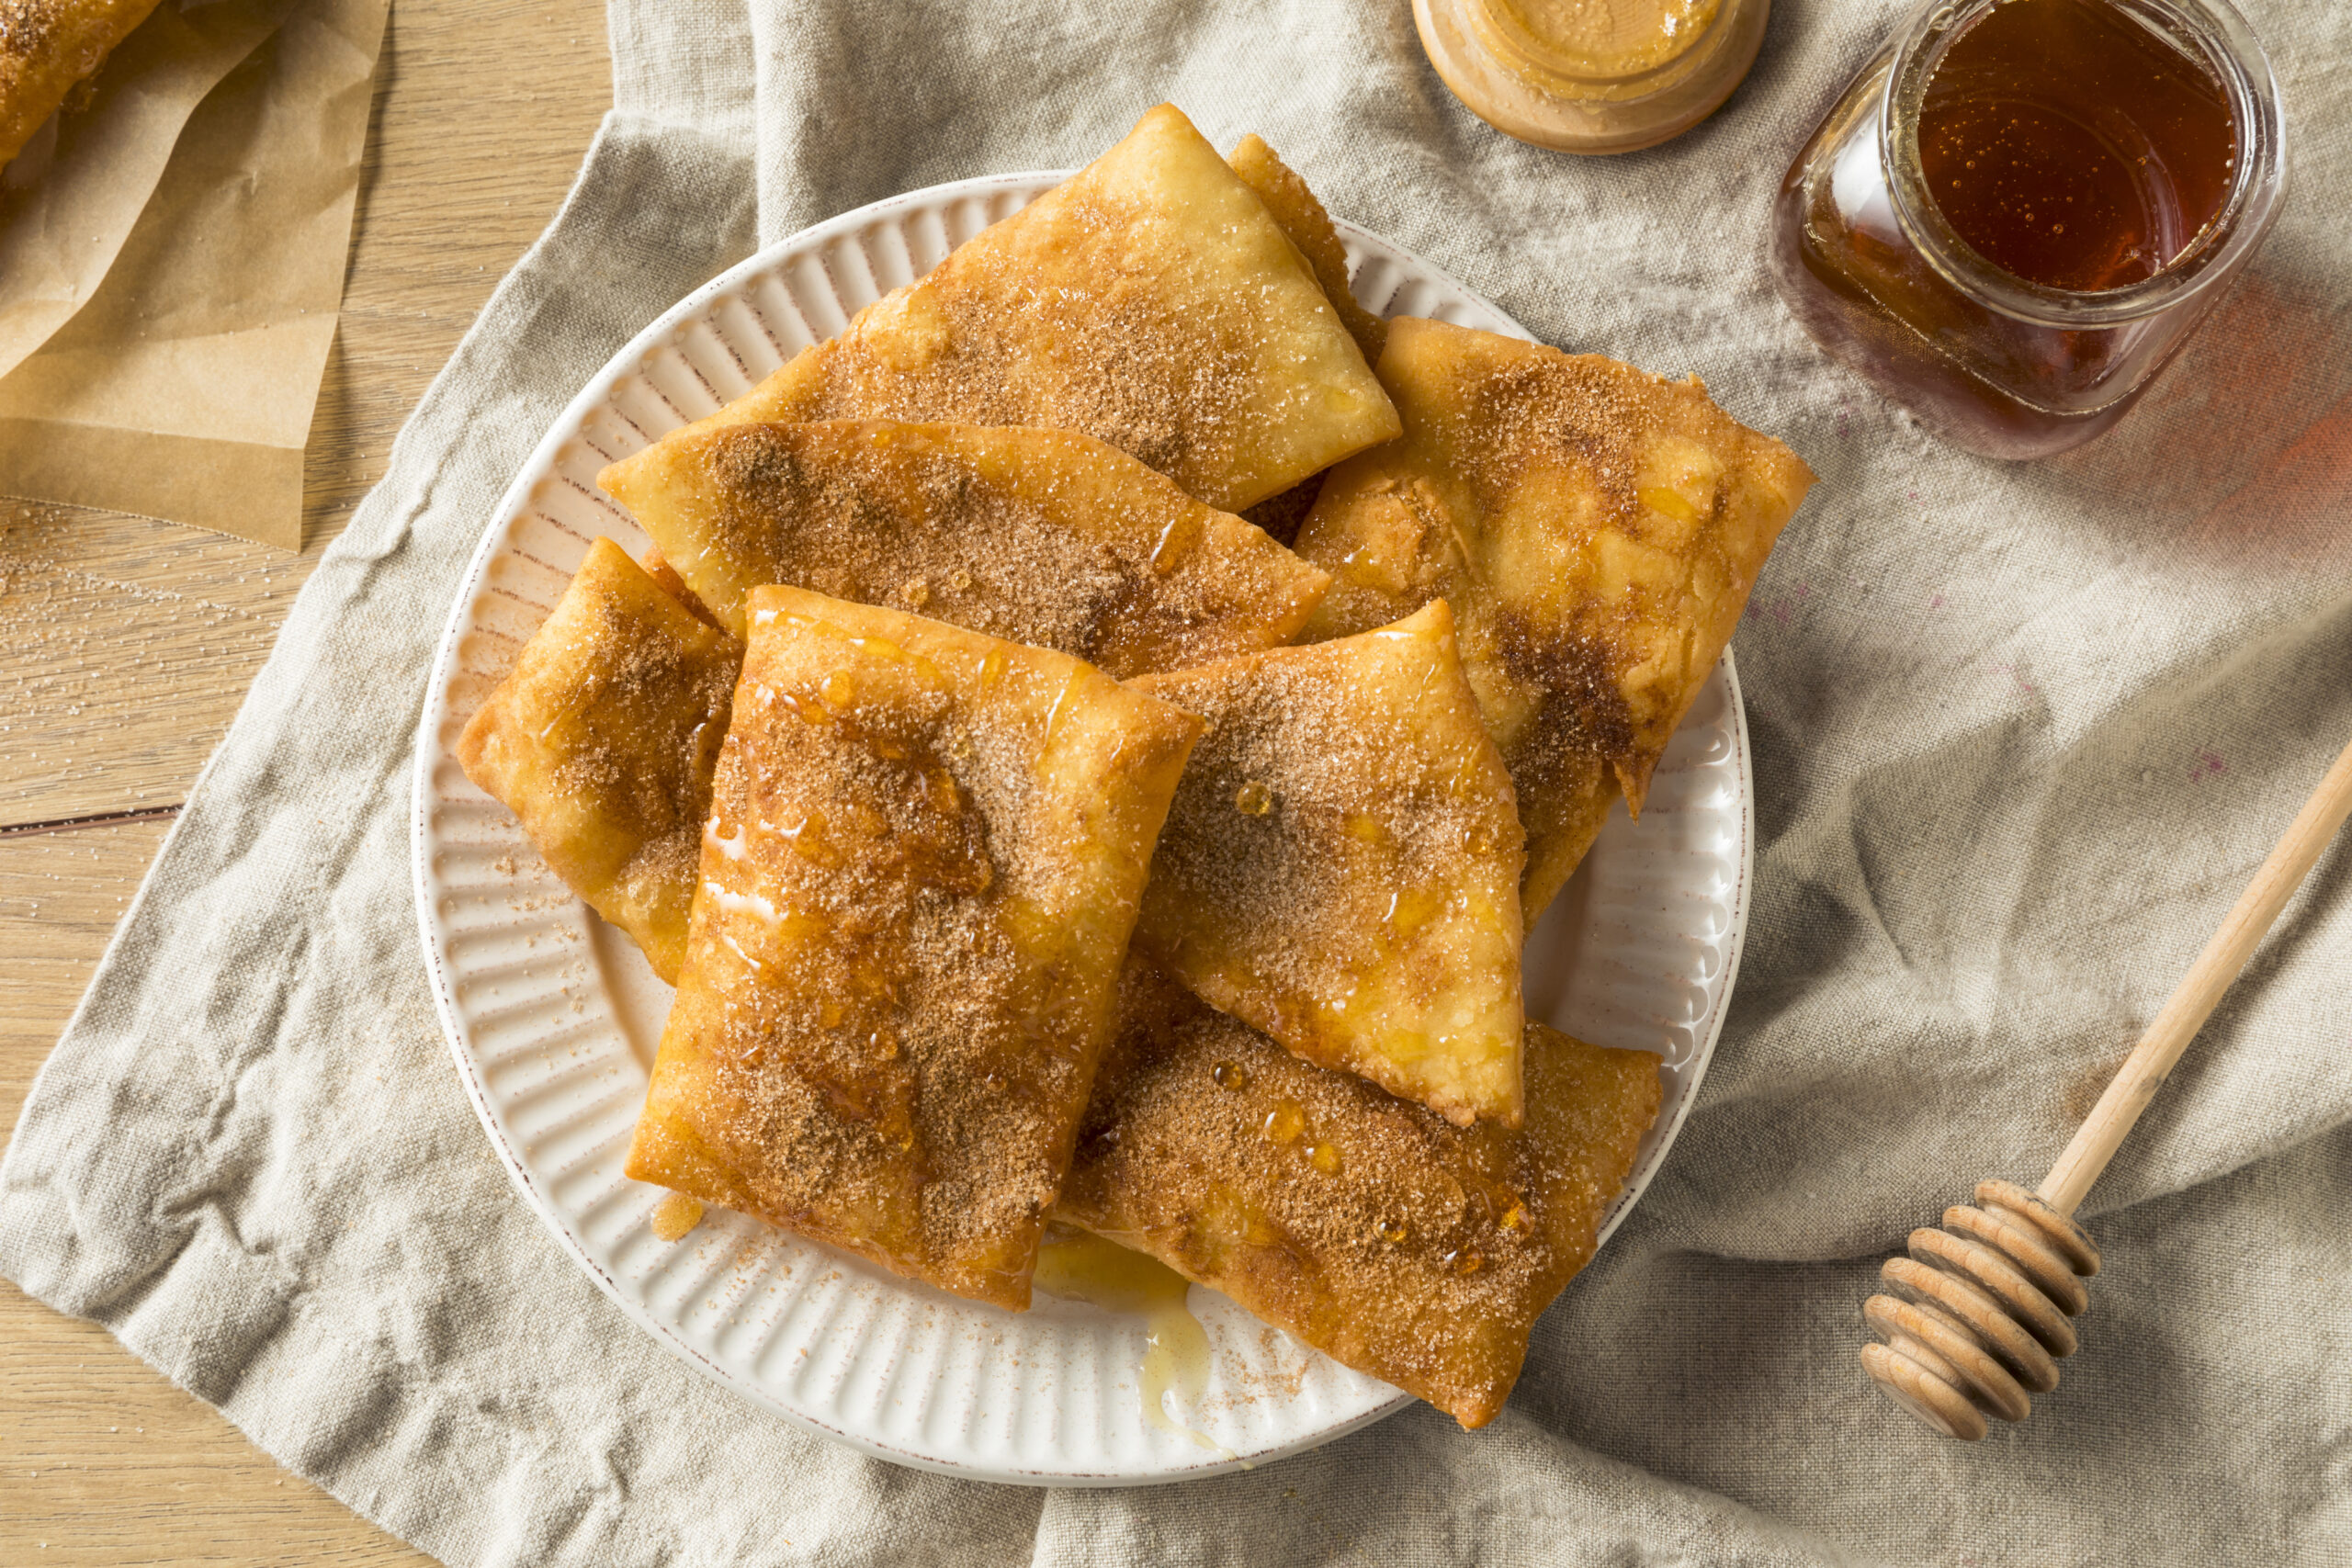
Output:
x,y
125,647
60,895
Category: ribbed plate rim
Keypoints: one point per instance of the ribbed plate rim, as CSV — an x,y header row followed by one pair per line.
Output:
x,y
595,395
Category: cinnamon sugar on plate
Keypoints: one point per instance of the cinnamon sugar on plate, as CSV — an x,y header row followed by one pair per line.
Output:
x,y
1042,536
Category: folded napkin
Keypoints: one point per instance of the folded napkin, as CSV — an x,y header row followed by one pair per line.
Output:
x,y
2021,735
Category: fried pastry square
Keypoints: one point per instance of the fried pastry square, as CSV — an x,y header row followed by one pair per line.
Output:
x,y
601,742
921,867
1597,530
1150,302
666,577
1341,868
1411,1249
1308,226
1042,536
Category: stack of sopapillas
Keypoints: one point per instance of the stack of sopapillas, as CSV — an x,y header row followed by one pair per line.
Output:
x,y
1087,744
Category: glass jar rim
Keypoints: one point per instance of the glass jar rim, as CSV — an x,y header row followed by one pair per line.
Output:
x,y
2211,30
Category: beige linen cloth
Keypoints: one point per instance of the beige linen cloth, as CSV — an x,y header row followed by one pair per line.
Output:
x,y
2021,735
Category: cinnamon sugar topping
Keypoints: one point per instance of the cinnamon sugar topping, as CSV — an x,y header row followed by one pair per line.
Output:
x,y
1038,536
1151,302
1422,1255
1341,867
1595,530
916,884
602,741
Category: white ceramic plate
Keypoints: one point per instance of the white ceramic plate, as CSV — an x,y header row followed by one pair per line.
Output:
x,y
553,1017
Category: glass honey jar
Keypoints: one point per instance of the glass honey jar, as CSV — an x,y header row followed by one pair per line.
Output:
x,y
2019,209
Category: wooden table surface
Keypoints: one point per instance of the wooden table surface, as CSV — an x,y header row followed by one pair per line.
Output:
x,y
125,647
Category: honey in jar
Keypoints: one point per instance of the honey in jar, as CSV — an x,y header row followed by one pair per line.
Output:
x,y
2016,214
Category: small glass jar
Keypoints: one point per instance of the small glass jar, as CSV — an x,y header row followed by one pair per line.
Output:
x,y
1994,363
1578,77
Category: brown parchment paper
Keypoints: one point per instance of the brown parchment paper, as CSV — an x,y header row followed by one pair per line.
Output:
x,y
69,199
183,388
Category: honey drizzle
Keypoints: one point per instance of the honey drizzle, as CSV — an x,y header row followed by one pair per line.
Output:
x,y
675,1215
1079,1266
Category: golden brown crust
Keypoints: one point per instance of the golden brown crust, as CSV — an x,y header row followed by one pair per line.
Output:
x,y
601,742
47,49
1039,537
666,577
1150,302
1408,1249
1308,227
1597,530
1042,536
1341,867
921,869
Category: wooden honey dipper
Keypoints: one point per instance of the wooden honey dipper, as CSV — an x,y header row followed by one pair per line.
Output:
x,y
1982,1308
